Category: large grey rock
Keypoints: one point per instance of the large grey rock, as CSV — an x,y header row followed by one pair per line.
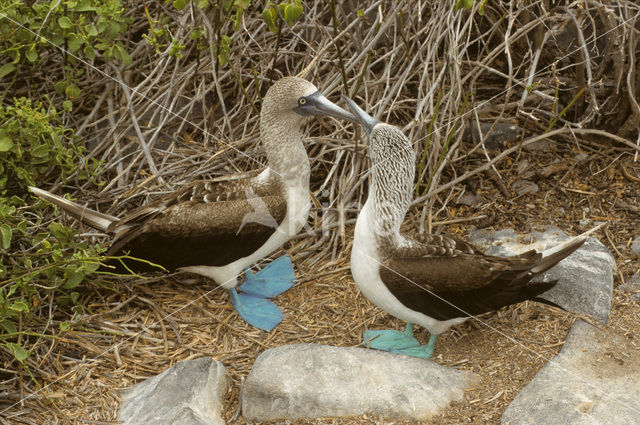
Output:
x,y
585,278
594,380
188,393
312,381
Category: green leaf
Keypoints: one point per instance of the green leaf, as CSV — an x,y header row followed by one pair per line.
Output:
x,y
8,326
18,352
121,54
64,22
32,55
180,4
6,69
5,142
85,6
41,151
281,6
65,326
67,105
60,232
360,13
19,306
72,91
5,233
89,52
268,16
73,279
292,12
91,266
75,43
91,30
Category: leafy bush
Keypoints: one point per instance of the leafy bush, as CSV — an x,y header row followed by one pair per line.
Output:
x,y
34,266
88,29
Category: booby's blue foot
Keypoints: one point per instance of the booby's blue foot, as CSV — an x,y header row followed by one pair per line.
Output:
x,y
274,279
252,303
399,342
256,311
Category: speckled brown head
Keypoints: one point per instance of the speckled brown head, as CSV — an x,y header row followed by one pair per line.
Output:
x,y
288,102
295,94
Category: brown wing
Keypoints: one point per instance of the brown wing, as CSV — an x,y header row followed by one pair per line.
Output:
x,y
206,223
450,279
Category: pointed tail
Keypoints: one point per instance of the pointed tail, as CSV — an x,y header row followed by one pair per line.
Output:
x,y
92,218
553,255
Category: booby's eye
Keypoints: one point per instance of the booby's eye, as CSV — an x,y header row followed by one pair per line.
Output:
x,y
302,101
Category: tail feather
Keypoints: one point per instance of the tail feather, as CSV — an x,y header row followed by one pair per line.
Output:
x,y
551,256
90,217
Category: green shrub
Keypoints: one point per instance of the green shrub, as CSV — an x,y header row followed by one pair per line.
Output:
x,y
32,34
35,265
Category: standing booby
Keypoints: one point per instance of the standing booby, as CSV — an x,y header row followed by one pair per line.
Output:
x,y
217,228
435,281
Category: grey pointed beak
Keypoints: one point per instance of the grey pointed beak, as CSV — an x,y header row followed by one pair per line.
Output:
x,y
366,120
317,104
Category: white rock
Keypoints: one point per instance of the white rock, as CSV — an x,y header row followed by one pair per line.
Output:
x,y
188,393
594,380
313,381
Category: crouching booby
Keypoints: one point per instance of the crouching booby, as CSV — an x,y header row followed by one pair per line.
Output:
x,y
217,228
435,281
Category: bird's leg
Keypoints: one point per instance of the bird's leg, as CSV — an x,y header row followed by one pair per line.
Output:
x,y
399,342
252,303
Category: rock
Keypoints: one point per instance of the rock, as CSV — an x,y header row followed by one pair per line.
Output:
x,y
594,380
585,278
522,187
313,381
632,284
470,198
188,393
502,133
635,245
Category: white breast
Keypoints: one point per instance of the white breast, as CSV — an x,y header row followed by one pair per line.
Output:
x,y
365,266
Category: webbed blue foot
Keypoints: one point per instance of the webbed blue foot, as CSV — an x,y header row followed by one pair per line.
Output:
x,y
257,311
252,303
274,279
399,342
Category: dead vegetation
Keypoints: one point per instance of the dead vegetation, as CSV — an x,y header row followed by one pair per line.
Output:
x,y
564,73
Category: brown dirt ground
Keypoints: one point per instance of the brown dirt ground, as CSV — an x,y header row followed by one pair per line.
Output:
x,y
83,374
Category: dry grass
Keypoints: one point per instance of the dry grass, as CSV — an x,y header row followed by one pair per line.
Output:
x,y
409,63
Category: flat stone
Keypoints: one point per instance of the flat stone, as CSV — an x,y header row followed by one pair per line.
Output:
x,y
594,380
635,245
188,393
585,278
313,381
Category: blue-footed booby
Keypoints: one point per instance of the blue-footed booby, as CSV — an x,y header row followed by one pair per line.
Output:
x,y
434,281
218,228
